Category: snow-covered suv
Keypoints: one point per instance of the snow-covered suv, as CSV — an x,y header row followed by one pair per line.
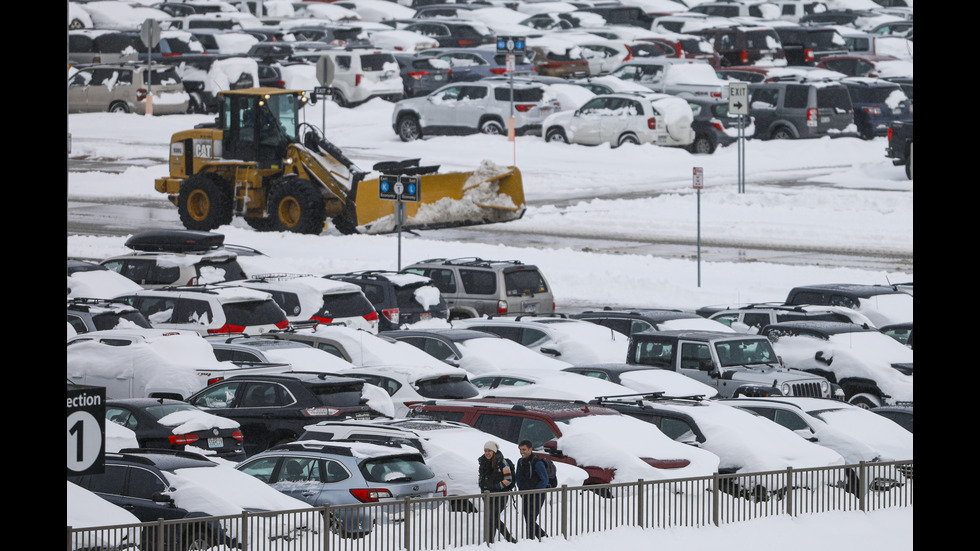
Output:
x,y
359,74
176,257
471,107
623,118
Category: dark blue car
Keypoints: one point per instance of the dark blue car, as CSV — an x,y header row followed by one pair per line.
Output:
x,y
877,103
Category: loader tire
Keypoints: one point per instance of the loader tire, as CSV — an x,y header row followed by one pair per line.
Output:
x,y
204,203
266,223
297,206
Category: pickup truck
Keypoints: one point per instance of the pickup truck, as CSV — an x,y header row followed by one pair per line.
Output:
x,y
900,145
734,363
151,363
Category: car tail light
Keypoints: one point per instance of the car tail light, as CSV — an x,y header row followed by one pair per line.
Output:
x,y
141,94
399,48
373,316
534,68
652,123
718,125
228,328
281,83
811,116
322,319
441,487
391,314
357,79
284,324
501,306
744,57
182,439
370,495
666,463
464,43
716,94
808,55
320,411
523,107
172,54
237,435
417,75
873,110
499,70
629,53
213,380
889,133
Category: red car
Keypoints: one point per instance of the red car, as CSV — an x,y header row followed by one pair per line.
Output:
x,y
867,65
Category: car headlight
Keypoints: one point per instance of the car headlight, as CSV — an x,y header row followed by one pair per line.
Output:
x,y
824,387
785,389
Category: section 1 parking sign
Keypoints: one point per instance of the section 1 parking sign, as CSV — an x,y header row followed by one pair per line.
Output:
x,y
86,430
510,45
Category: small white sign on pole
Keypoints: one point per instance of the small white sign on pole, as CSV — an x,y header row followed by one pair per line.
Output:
x,y
698,177
738,98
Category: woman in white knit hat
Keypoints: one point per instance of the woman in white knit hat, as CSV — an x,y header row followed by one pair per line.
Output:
x,y
496,476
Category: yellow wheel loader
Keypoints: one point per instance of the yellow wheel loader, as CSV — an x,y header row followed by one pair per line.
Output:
x,y
259,161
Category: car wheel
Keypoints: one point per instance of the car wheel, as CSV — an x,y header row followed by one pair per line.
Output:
x,y
865,400
628,139
782,133
492,127
339,99
702,145
297,206
556,135
409,129
119,107
204,202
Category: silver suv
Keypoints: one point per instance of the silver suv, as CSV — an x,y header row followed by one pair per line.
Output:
x,y
474,287
471,107
124,88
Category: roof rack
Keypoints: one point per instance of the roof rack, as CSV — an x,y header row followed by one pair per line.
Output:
x,y
280,276
638,398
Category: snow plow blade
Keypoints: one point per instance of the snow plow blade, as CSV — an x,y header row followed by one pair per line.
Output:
x,y
491,194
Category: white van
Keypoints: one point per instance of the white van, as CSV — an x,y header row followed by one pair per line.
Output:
x,y
355,75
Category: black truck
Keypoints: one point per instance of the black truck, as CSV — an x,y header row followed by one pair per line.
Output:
x,y
900,145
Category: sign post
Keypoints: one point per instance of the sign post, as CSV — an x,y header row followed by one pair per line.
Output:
x,y
399,189
699,185
511,46
86,430
150,34
738,104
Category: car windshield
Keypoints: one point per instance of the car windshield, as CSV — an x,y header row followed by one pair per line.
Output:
x,y
828,39
892,95
520,94
409,468
745,351
522,282
253,312
447,387
216,271
762,40
378,62
163,410
125,320
339,394
833,97
345,305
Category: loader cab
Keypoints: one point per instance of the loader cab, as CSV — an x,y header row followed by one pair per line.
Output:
x,y
257,125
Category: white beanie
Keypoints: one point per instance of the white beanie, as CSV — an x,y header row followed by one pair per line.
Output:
x,y
491,445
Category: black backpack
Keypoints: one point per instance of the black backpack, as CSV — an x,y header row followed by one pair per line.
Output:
x,y
513,475
549,467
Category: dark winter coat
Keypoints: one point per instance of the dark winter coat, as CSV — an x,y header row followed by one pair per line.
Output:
x,y
531,474
495,474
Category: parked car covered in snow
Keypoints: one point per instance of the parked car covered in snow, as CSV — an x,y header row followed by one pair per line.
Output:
x,y
625,118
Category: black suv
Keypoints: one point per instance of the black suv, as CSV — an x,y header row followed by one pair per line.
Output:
x,y
636,320
790,110
900,145
92,314
882,304
399,298
142,482
274,409
744,44
806,45
877,104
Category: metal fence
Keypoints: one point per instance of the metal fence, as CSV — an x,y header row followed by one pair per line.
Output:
x,y
456,521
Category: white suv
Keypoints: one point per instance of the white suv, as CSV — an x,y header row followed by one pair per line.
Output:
x,y
208,309
617,119
176,257
360,74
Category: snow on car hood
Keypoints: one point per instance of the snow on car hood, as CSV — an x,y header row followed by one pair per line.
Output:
x,y
552,385
619,441
887,308
87,509
487,355
695,324
307,358
588,343
853,431
852,355
752,443
100,284
366,349
192,420
670,383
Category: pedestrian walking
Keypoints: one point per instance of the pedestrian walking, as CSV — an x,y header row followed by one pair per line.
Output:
x,y
497,477
531,475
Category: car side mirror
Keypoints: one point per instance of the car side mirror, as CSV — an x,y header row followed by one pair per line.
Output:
x,y
550,352
578,112
706,365
160,497
452,362
819,356
551,446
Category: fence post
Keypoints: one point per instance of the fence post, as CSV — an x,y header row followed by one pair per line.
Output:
x,y
326,527
863,485
159,534
639,504
244,538
408,527
715,506
789,492
486,518
564,511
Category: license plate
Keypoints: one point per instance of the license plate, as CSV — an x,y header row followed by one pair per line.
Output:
x,y
216,442
545,109
825,119
437,77
530,308
425,316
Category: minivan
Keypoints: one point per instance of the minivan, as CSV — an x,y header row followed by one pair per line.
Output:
x,y
124,88
788,110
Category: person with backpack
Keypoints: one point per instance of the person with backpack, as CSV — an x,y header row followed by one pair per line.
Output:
x,y
496,476
532,474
